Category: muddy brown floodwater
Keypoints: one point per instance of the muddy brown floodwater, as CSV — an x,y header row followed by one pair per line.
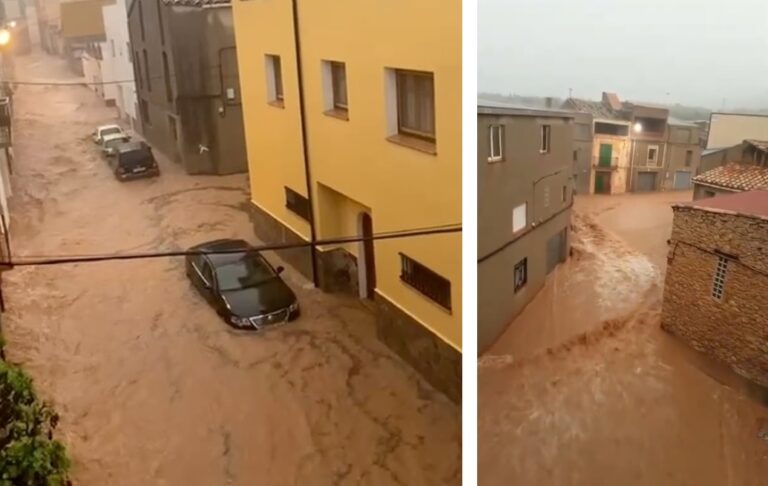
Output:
x,y
584,388
151,386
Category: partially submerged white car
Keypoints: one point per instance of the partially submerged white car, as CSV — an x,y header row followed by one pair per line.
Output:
x,y
111,142
104,130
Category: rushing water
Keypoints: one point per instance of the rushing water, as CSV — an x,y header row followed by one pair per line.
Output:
x,y
151,386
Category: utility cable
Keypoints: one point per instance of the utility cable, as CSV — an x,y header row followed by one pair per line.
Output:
x,y
28,261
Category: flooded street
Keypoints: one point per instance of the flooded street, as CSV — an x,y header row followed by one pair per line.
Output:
x,y
152,387
588,390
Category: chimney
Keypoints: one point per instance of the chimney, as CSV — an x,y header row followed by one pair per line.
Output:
x,y
611,100
548,102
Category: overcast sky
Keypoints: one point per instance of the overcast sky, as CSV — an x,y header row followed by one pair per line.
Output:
x,y
667,51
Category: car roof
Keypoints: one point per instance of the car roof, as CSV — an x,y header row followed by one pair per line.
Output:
x,y
226,244
130,146
104,127
114,136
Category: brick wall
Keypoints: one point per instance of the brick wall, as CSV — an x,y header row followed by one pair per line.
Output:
x,y
734,329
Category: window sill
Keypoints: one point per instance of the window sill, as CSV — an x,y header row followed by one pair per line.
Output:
x,y
495,160
277,103
414,143
337,113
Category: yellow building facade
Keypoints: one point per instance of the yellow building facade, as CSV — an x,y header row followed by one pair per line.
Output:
x,y
352,115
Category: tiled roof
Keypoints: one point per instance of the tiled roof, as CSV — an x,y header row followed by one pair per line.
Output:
x,y
750,203
760,145
596,108
735,176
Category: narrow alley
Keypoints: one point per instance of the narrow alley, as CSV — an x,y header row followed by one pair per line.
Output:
x,y
151,386
592,391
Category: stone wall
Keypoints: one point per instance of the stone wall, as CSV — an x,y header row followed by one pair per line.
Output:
x,y
337,269
735,329
437,361
269,229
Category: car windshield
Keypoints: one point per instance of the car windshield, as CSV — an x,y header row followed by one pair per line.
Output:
x,y
247,271
110,131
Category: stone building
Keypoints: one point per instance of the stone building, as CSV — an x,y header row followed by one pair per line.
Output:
x,y
717,280
728,179
748,152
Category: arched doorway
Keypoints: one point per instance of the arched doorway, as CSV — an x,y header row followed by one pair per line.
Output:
x,y
366,264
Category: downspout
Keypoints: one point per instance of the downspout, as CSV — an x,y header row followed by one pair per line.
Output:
x,y
305,152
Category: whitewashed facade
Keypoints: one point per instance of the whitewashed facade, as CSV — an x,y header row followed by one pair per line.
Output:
x,y
117,64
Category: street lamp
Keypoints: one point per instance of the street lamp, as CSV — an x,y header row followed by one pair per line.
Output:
x,y
5,37
637,127
12,24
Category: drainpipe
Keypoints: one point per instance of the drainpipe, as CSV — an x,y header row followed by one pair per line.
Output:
x,y
305,152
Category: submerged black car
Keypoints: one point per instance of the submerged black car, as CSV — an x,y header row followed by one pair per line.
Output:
x,y
133,160
243,288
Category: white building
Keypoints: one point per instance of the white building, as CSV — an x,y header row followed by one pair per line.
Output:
x,y
116,64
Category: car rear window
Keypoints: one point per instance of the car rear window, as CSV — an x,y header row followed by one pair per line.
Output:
x,y
248,271
135,157
114,142
110,131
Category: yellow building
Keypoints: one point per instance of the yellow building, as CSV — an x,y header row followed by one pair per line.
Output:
x,y
353,127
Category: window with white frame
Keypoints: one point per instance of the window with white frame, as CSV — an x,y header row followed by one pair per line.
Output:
x,y
546,136
519,217
496,143
718,282
521,274
653,155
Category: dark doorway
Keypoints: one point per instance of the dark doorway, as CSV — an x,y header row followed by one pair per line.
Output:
x,y
602,182
366,265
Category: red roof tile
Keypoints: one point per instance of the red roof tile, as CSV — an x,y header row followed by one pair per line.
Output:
x,y
735,176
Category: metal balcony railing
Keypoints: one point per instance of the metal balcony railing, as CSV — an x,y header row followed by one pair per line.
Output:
x,y
614,162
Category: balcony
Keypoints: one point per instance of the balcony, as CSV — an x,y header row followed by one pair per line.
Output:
x,y
601,163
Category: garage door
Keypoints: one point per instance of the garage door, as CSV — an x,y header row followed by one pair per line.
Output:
x,y
682,179
646,181
556,249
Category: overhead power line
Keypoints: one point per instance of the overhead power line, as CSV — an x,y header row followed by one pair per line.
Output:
x,y
61,260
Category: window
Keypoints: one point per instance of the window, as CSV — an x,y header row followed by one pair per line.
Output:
x,y
274,80
339,81
688,157
141,21
497,143
564,195
519,217
546,132
718,283
521,274
172,127
144,107
435,287
653,155
297,203
416,104
167,76
137,75
160,20
146,71
709,194
575,155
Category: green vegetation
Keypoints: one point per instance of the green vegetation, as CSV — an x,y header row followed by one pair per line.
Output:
x,y
28,454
